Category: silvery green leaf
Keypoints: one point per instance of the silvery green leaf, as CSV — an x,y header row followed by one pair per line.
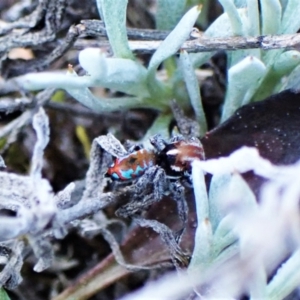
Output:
x,y
216,190
221,27
271,12
234,17
293,81
241,191
3,295
258,284
168,13
252,26
203,237
192,86
290,20
227,253
201,257
243,81
240,3
227,187
227,190
234,57
123,75
253,18
224,235
201,199
174,40
282,65
86,98
93,61
286,278
38,81
119,74
286,62
167,48
114,14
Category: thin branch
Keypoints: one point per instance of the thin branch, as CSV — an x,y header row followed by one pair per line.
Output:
x,y
25,118
142,41
9,105
267,42
206,44
80,110
97,28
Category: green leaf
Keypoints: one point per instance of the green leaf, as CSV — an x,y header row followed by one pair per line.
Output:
x,y
119,74
223,236
234,17
114,14
167,48
286,62
258,283
174,40
286,279
203,237
221,27
3,295
192,86
216,190
253,18
283,65
86,97
271,12
169,13
290,20
293,81
243,81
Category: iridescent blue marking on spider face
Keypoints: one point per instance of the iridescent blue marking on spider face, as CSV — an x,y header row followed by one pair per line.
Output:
x,y
132,165
131,173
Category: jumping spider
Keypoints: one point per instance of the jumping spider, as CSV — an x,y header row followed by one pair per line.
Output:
x,y
155,172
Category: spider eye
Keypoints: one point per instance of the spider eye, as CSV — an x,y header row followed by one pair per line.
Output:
x,y
132,160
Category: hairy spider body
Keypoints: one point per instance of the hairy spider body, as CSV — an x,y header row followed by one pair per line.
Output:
x,y
176,158
132,165
161,168
155,173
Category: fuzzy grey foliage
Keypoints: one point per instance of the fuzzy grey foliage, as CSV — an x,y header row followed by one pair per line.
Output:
x,y
40,214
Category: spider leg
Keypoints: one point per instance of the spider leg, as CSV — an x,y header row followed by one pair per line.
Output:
x,y
147,190
158,142
177,138
135,206
179,258
187,126
132,146
177,191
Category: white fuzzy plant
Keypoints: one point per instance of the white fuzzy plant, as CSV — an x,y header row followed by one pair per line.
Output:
x,y
241,247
